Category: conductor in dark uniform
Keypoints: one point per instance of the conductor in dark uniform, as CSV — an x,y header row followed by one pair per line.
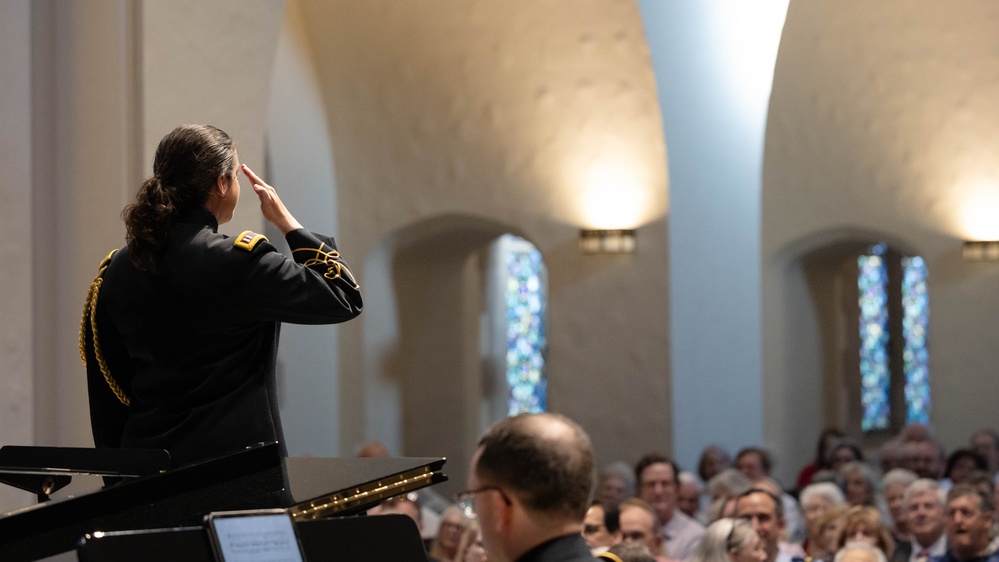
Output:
x,y
180,328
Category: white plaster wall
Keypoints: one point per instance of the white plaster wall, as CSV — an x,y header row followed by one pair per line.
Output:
x,y
16,341
381,390
210,62
82,116
300,165
883,119
500,110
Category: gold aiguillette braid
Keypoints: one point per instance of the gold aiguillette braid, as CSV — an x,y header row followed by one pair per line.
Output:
x,y
90,315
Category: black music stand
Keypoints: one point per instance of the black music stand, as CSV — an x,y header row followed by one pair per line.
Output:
x,y
45,470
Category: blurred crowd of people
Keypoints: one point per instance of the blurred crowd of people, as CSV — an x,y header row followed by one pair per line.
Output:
x,y
912,503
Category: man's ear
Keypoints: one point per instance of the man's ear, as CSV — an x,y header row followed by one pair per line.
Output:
x,y
503,511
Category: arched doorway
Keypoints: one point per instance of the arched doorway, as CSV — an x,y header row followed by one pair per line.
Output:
x,y
434,349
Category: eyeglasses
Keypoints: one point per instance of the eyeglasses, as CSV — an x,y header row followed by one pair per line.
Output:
x,y
465,500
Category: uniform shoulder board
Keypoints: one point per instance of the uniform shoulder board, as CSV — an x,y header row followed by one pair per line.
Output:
x,y
248,239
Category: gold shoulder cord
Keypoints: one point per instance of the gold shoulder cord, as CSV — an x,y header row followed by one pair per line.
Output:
x,y
335,269
90,315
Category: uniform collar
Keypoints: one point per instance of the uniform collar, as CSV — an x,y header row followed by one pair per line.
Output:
x,y
199,216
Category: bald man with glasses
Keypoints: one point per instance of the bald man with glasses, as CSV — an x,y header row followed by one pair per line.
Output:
x,y
530,483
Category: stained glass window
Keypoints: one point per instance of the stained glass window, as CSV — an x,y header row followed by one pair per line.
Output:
x,y
875,376
877,297
526,301
915,320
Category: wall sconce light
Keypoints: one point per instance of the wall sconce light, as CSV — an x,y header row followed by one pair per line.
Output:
x,y
607,241
981,250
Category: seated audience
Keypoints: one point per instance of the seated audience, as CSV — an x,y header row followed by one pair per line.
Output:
x,y
757,465
863,524
821,460
615,483
985,442
689,494
816,501
984,482
890,455
784,545
860,483
407,505
601,527
628,552
923,503
726,485
470,547
894,484
730,540
970,519
830,528
658,479
765,513
915,432
859,552
905,516
639,524
714,459
925,458
444,546
754,462
961,463
843,451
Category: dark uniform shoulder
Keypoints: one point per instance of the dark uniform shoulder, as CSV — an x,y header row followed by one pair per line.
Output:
x,y
247,240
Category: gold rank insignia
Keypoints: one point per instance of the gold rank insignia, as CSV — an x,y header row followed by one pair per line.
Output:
x,y
248,239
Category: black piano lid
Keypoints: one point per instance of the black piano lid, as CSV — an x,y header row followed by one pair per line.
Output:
x,y
255,478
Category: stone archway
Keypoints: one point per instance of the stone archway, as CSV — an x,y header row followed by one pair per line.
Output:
x,y
424,373
818,374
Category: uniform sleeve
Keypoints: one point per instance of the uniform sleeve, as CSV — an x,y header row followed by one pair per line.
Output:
x,y
107,412
109,369
315,286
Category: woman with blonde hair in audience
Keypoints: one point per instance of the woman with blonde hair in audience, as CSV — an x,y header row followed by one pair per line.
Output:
x,y
470,547
830,528
444,547
863,524
730,540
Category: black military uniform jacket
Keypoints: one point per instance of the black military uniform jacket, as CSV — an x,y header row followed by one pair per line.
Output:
x,y
569,548
191,348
